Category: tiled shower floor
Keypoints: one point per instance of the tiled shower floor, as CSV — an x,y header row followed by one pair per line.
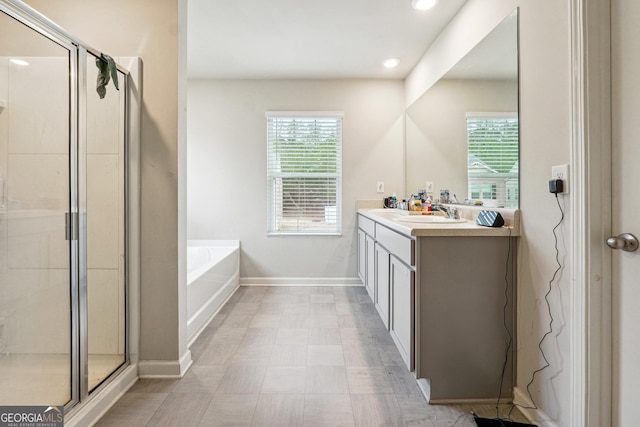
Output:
x,y
45,379
292,356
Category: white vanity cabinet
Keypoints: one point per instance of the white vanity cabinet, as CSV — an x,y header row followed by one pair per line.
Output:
x,y
396,288
446,295
362,256
370,280
366,254
389,277
382,299
401,324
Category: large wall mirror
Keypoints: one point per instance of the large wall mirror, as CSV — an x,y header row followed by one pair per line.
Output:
x,y
462,134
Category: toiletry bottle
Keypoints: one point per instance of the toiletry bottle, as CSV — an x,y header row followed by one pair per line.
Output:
x,y
426,206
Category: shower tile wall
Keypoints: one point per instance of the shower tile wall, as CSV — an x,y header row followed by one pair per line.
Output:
x,y
35,175
105,290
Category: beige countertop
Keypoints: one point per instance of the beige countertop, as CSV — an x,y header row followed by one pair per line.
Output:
x,y
469,228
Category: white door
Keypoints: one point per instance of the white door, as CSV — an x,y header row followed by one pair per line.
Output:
x,y
625,87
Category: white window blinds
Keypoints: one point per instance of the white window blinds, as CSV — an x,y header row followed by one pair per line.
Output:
x,y
492,168
304,173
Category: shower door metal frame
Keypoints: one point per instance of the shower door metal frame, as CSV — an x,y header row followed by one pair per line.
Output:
x,y
83,305
77,193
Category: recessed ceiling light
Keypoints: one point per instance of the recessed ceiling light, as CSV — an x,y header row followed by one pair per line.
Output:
x,y
423,4
19,62
391,62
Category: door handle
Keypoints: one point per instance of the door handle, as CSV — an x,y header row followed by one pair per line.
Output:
x,y
71,225
625,241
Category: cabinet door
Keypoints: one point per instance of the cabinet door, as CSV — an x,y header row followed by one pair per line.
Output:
x,y
362,256
402,282
370,279
382,284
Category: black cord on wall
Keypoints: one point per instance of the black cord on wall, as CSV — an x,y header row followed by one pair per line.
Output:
x,y
506,326
546,298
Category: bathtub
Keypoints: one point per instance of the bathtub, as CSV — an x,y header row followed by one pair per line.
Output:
x,y
213,275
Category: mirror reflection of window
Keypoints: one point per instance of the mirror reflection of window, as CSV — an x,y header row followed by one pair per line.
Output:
x,y
483,191
492,158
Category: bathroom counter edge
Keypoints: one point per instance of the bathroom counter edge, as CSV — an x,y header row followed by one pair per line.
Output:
x,y
464,229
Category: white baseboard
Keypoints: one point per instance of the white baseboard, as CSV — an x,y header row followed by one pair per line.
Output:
x,y
535,416
300,281
91,412
165,368
425,387
199,321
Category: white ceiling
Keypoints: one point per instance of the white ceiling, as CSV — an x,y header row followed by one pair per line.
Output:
x,y
494,57
310,39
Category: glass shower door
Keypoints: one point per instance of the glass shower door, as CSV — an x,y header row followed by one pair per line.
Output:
x,y
105,227
36,298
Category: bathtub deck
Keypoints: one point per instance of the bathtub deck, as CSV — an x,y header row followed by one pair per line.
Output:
x,y
210,285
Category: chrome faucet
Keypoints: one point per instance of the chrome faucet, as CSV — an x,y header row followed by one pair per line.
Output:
x,y
454,213
449,211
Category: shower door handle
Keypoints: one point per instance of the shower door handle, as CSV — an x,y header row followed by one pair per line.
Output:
x,y
71,225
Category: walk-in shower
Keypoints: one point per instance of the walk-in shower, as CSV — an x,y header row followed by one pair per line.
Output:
x,y
63,215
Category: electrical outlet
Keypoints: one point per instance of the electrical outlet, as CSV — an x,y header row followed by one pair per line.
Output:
x,y
380,187
428,186
561,172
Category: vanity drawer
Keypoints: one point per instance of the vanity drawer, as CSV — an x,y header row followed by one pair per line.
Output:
x,y
367,225
401,246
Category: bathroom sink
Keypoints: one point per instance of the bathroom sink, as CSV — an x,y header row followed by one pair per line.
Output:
x,y
428,219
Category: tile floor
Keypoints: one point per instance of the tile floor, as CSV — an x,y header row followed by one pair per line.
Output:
x,y
292,356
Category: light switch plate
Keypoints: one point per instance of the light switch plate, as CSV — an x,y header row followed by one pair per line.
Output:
x,y
428,186
380,187
561,172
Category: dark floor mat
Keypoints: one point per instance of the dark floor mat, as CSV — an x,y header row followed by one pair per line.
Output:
x,y
494,422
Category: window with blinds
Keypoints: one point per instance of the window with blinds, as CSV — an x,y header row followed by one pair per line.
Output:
x,y
304,173
492,167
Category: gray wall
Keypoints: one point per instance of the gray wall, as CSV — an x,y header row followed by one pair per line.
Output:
x,y
227,167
